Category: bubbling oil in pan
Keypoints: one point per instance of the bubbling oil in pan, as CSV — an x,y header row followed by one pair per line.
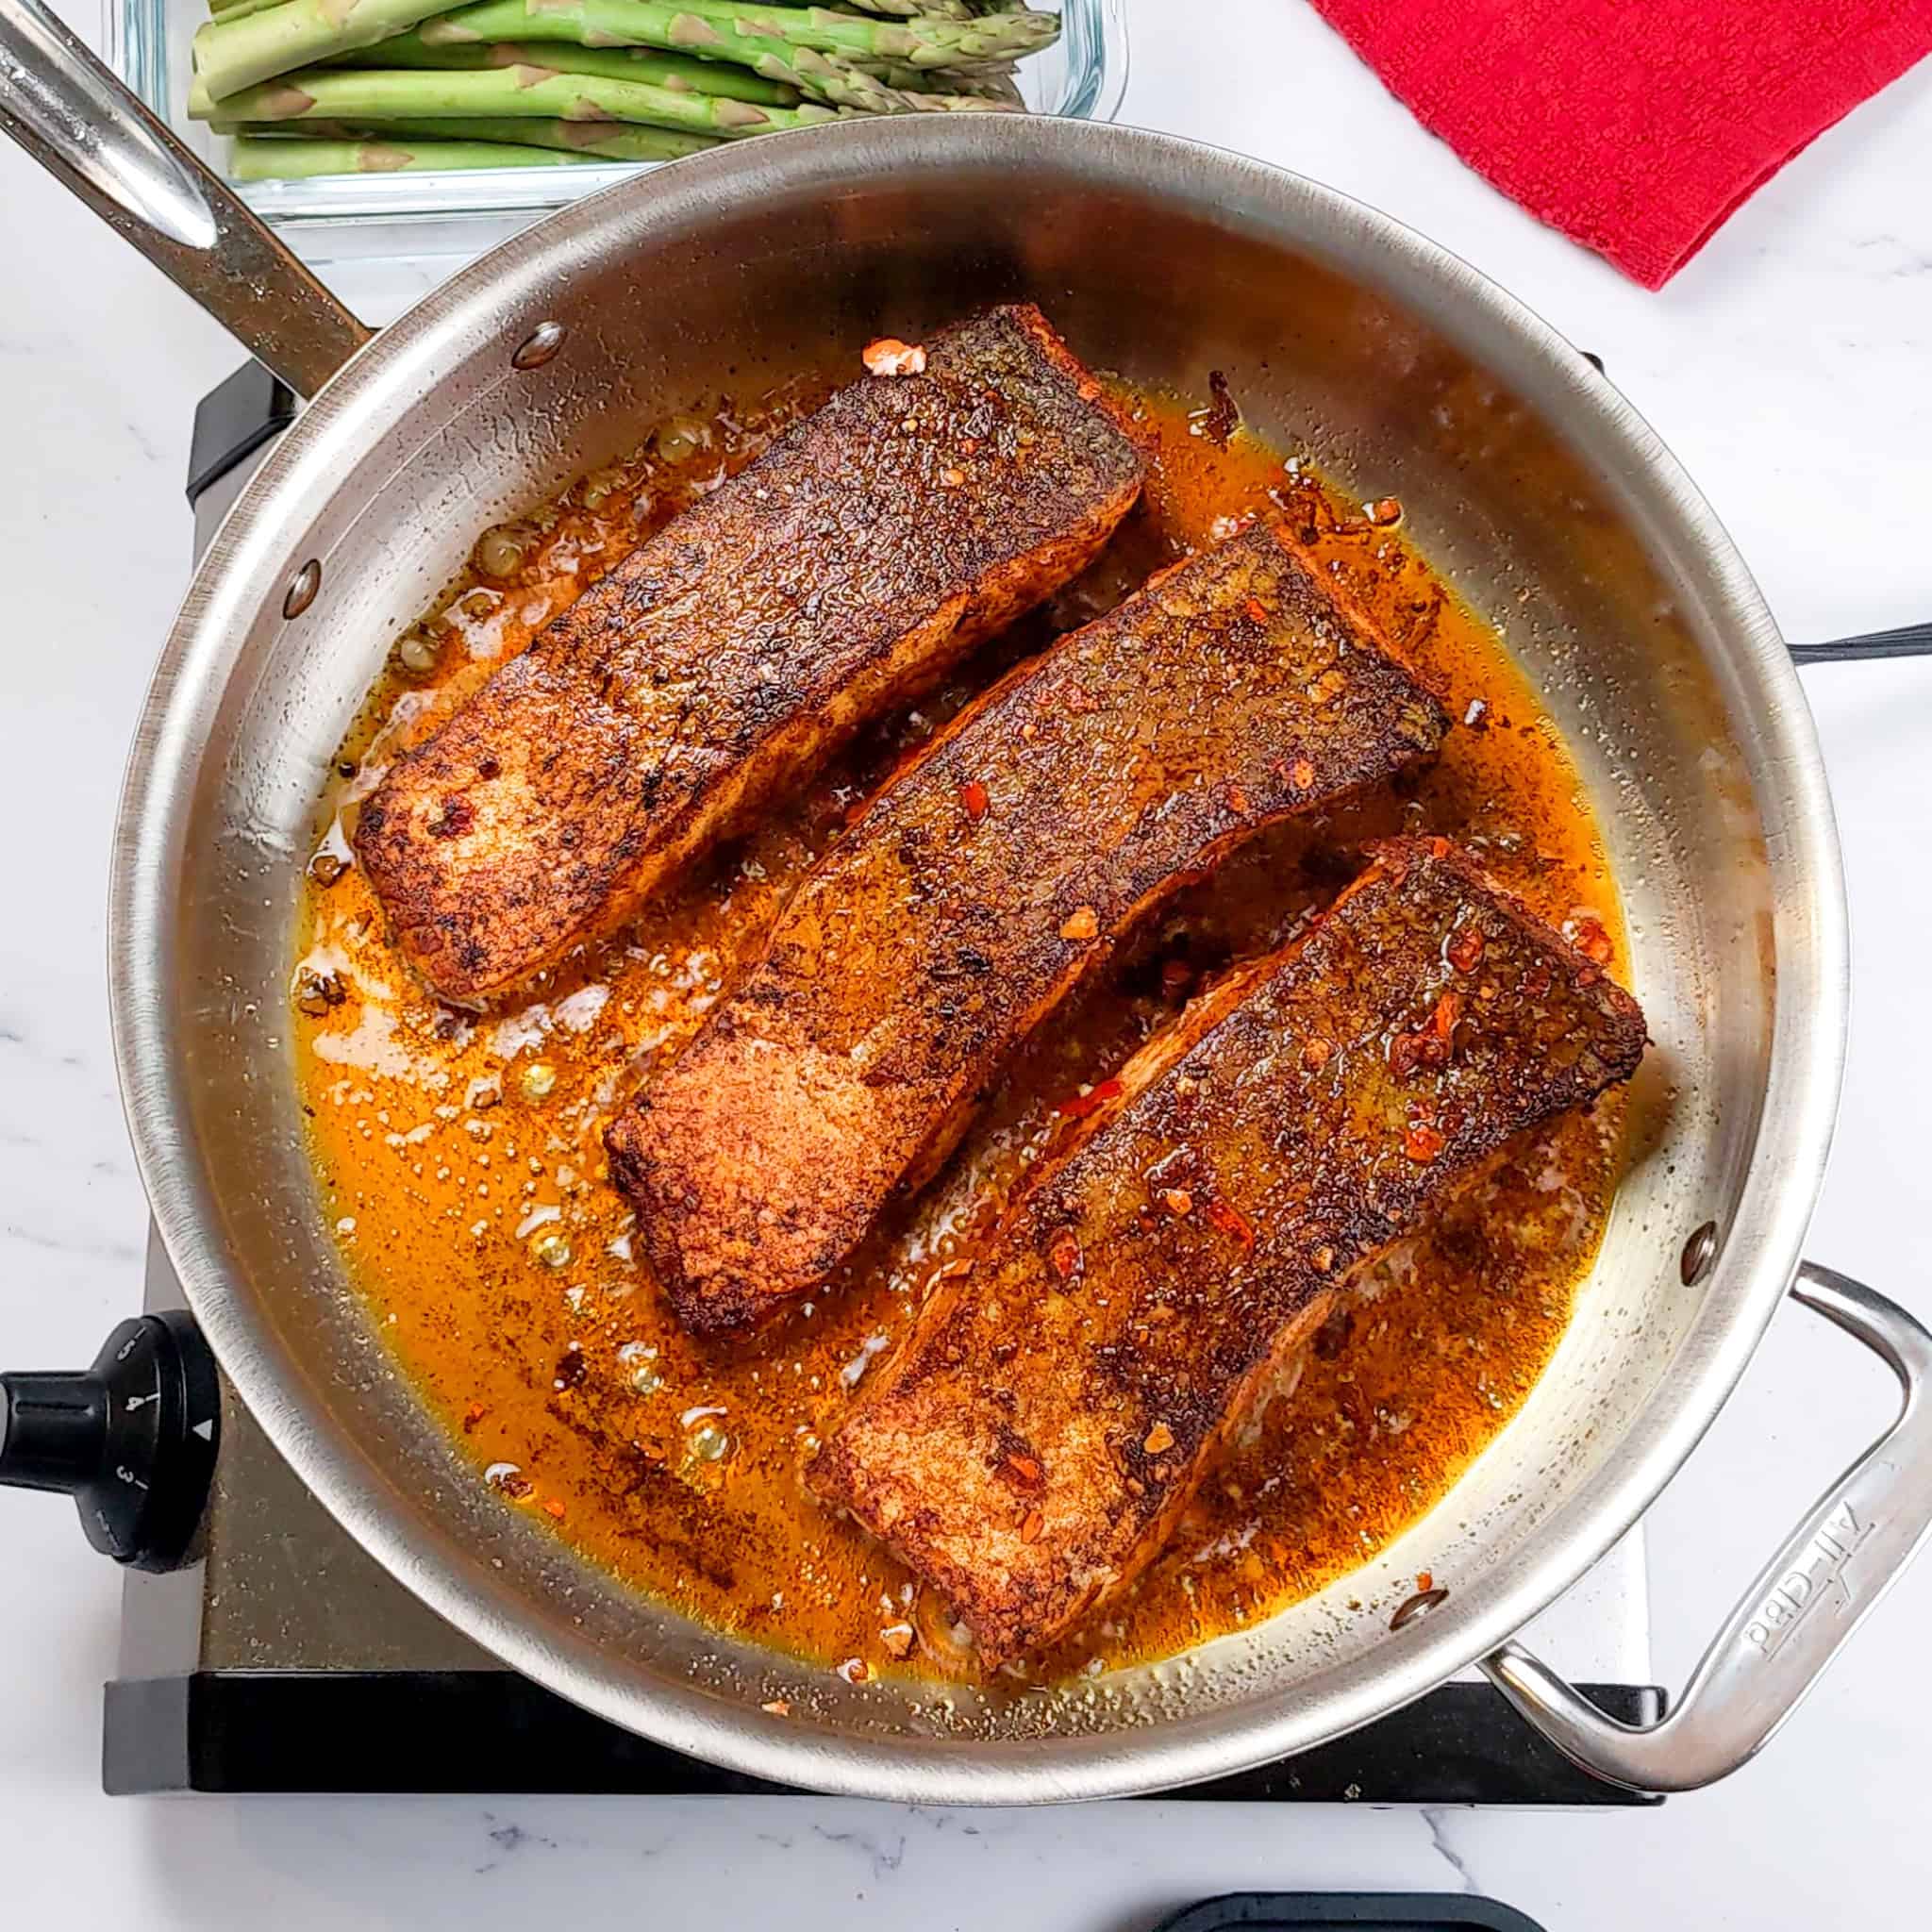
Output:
x,y
459,1155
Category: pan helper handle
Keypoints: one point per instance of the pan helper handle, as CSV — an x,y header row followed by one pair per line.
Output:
x,y
1800,1610
60,104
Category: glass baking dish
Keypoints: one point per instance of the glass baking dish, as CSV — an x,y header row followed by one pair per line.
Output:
x,y
149,45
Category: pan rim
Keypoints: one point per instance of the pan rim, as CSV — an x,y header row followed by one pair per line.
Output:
x,y
1773,1210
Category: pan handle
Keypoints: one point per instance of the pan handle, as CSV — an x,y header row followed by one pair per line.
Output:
x,y
1803,1606
65,107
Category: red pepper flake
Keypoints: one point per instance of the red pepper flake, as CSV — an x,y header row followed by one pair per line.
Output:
x,y
1465,948
1024,1471
1303,775
552,1507
1422,1143
1063,1252
473,1415
1079,1105
889,356
854,1670
1159,1439
1237,799
459,815
1408,1051
1177,1199
1428,1046
778,1707
1029,1530
1424,1580
972,800
1593,942
1385,509
1081,924
1256,610
1219,420
1440,846
1232,1222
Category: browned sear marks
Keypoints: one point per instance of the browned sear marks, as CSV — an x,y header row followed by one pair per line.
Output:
x,y
737,649
1127,1380
1097,780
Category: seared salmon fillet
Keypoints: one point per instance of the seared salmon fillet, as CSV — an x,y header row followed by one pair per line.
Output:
x,y
1006,862
859,558
1037,1437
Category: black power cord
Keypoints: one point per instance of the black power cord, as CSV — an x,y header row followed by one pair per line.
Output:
x,y
1908,640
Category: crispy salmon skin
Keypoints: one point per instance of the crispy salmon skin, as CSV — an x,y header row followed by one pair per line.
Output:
x,y
852,564
1002,866
1037,1437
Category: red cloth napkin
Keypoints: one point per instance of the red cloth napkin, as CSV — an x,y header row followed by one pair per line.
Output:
x,y
1635,127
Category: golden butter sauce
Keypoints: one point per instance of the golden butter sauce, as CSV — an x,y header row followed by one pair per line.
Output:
x,y
460,1156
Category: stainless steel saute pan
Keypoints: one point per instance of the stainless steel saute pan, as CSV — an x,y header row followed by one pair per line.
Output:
x,y
1524,475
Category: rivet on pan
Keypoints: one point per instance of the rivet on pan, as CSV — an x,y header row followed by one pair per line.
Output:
x,y
1594,361
1700,1251
538,346
1420,1605
302,588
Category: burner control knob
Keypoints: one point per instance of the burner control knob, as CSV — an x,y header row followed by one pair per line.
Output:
x,y
132,1440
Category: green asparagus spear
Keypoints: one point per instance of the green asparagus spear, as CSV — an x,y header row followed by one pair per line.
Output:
x,y
992,84
231,53
356,93
656,24
917,101
241,10
919,41
898,9
276,159
914,91
606,141
710,27
677,71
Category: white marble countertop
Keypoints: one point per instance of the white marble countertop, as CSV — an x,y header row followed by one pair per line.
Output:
x,y
1788,367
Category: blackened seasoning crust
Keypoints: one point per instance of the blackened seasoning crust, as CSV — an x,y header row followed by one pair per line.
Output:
x,y
1034,1442
859,558
985,881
